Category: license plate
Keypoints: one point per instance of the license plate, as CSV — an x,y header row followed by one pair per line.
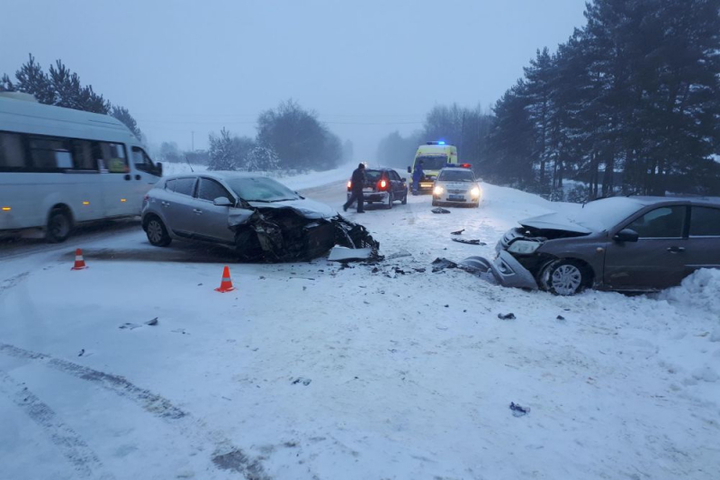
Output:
x,y
367,190
457,198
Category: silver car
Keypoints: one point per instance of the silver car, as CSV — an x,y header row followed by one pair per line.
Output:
x,y
622,243
258,216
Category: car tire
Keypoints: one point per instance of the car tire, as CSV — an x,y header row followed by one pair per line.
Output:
x,y
564,277
59,226
390,200
156,232
248,246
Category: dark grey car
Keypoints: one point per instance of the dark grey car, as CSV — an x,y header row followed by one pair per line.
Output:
x,y
620,243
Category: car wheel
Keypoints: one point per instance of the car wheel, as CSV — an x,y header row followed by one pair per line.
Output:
x,y
248,246
156,232
59,226
390,200
564,277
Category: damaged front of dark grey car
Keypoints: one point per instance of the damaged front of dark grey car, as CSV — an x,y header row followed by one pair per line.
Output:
x,y
633,244
258,216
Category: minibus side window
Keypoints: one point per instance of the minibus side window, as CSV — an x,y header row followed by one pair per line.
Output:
x,y
110,157
12,152
50,153
83,155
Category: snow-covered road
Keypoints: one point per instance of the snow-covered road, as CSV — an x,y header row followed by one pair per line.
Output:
x,y
310,371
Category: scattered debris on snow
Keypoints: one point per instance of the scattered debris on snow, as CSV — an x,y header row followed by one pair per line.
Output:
x,y
473,241
152,322
440,210
519,411
506,316
457,232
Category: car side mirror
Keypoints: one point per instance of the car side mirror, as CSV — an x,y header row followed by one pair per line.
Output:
x,y
409,170
222,202
403,179
626,235
158,169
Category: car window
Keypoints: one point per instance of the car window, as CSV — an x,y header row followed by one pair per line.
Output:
x,y
170,185
394,175
210,190
457,176
183,186
261,189
663,222
705,222
373,175
141,160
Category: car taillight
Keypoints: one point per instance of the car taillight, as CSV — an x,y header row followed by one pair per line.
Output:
x,y
382,184
349,184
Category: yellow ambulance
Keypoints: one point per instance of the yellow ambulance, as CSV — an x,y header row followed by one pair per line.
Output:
x,y
434,157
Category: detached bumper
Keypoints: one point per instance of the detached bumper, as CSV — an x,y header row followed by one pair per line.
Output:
x,y
505,270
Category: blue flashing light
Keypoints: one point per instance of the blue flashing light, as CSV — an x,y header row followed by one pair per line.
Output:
x,y
441,142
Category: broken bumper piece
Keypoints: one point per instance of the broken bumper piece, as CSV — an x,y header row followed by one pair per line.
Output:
x,y
505,270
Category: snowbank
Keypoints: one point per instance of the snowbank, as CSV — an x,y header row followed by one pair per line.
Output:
x,y
296,182
700,290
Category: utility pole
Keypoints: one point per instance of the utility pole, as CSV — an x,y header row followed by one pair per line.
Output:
x,y
192,142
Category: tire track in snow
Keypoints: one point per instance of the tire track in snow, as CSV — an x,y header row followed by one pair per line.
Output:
x,y
150,402
225,457
84,460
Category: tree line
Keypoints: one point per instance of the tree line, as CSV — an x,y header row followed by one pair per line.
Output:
x,y
61,87
288,138
630,104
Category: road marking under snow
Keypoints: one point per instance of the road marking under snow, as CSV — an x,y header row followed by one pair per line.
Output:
x,y
225,457
83,459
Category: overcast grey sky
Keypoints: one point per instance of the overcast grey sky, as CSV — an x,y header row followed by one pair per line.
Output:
x,y
366,67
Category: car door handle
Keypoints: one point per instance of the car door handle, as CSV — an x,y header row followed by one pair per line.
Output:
x,y
164,203
197,211
676,249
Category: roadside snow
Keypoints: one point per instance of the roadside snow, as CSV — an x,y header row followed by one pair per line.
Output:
x,y
311,370
296,182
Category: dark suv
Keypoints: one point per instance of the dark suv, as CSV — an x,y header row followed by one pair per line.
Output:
x,y
621,243
384,186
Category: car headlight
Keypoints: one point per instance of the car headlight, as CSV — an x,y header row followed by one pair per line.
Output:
x,y
475,192
438,190
523,247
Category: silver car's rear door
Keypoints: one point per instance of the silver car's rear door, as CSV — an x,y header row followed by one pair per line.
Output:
x,y
178,204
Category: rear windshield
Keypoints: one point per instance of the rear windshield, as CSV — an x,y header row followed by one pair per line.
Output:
x,y
373,175
261,189
432,162
457,176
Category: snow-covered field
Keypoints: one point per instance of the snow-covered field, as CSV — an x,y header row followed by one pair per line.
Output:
x,y
296,182
312,371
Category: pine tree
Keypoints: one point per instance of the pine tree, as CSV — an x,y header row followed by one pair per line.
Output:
x,y
262,159
223,152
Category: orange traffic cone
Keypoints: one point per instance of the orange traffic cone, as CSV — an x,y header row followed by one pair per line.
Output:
x,y
79,262
226,284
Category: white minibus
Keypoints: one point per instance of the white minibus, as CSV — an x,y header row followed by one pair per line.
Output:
x,y
60,167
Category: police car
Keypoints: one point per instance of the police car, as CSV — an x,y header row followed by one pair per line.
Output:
x,y
457,185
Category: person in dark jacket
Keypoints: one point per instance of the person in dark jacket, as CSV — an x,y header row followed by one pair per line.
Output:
x,y
417,175
357,182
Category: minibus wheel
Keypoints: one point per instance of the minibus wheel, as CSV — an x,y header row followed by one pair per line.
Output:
x,y
59,226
